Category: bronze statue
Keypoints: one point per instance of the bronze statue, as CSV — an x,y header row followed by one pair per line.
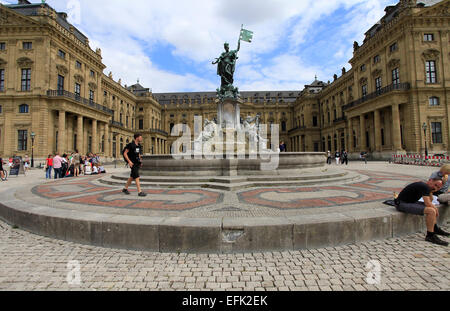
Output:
x,y
226,66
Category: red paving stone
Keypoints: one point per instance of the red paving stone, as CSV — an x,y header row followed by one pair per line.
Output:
x,y
367,191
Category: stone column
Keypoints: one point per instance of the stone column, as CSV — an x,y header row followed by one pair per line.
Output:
x,y
396,133
107,145
94,136
62,131
51,132
362,139
80,135
350,137
377,125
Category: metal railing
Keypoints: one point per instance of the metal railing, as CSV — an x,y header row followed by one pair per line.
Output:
x,y
341,119
158,131
115,123
78,98
420,160
382,91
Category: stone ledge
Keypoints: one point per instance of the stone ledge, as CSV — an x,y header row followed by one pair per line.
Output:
x,y
227,235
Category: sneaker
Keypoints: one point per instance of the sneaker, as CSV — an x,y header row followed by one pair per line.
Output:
x,y
142,194
126,191
441,232
436,240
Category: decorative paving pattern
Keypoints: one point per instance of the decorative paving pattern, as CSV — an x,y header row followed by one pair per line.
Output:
x,y
86,191
170,200
379,187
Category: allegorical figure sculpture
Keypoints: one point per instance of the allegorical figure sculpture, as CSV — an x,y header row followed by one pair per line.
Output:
x,y
226,66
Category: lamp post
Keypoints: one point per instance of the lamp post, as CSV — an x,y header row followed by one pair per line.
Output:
x,y
33,135
425,127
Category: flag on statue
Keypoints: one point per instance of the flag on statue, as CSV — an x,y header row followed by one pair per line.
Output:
x,y
246,35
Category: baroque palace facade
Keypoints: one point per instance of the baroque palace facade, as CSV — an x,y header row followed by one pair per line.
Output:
x,y
52,88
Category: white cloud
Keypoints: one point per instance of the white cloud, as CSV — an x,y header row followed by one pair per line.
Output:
x,y
196,29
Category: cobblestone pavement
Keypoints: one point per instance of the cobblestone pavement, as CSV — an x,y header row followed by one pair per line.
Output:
x,y
31,262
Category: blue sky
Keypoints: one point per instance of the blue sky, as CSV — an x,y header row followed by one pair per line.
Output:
x,y
169,45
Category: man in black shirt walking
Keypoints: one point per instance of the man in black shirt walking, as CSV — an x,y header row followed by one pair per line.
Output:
x,y
133,156
408,202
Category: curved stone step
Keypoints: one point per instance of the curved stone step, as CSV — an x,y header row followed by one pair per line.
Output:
x,y
232,184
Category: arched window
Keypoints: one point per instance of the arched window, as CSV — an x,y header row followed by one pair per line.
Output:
x,y
23,108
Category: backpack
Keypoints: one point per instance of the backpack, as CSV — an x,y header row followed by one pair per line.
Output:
x,y
123,153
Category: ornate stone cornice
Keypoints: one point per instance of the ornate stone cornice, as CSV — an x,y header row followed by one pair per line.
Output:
x,y
431,54
78,78
393,63
376,73
92,86
62,70
24,62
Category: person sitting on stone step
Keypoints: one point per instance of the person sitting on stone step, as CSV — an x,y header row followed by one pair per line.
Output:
x,y
408,202
443,194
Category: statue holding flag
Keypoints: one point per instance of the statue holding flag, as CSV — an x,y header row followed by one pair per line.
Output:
x,y
226,66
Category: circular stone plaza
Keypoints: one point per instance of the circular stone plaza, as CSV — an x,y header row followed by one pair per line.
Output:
x,y
235,230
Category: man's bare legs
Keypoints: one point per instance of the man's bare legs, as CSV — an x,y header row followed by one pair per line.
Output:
x,y
130,181
431,218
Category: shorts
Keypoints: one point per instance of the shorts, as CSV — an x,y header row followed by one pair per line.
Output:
x,y
417,208
135,171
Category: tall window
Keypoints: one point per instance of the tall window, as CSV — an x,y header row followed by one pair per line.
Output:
x,y
396,76
92,73
141,124
283,126
26,79
77,65
364,90
436,131
376,59
60,83
22,141
431,71
393,47
315,123
2,46
378,84
434,101
126,121
77,89
428,37
62,54
91,95
27,45
2,80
